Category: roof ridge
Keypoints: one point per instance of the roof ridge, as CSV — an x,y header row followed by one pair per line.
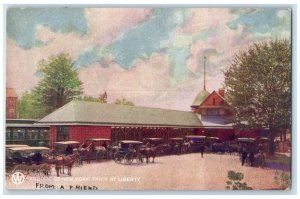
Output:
x,y
78,111
127,106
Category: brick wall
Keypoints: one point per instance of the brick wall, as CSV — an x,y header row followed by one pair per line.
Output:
x,y
11,108
52,135
82,133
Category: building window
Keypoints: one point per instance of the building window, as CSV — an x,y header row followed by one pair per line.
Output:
x,y
63,133
12,110
44,134
29,136
214,101
8,135
18,134
212,112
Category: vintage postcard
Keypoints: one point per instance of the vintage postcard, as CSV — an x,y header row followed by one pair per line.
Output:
x,y
148,98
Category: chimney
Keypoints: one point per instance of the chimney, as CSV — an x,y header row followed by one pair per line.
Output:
x,y
222,92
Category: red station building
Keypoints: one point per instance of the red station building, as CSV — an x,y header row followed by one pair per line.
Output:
x,y
82,120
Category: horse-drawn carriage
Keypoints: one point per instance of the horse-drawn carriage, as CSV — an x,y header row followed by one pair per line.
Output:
x,y
129,150
250,152
65,148
27,160
99,148
212,144
159,143
176,145
197,142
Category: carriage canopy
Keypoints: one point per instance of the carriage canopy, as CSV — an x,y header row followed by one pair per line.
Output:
x,y
15,145
195,136
33,148
98,139
248,140
66,143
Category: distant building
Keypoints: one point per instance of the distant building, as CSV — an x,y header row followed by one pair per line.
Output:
x,y
23,131
11,103
216,117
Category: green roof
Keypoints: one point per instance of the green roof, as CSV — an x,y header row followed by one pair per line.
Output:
x,y
120,115
202,95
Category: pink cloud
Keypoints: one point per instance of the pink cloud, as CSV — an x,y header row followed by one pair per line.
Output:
x,y
147,84
105,25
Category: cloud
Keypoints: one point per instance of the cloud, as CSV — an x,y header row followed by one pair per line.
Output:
x,y
220,47
23,22
106,24
20,71
153,57
148,83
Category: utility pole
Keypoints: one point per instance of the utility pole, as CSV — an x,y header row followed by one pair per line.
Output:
x,y
204,86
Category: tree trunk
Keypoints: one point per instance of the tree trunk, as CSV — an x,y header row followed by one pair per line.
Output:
x,y
272,143
284,134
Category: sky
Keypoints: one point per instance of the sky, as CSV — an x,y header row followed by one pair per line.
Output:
x,y
150,56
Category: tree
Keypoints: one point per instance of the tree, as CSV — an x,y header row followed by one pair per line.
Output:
x,y
258,85
123,101
59,83
28,106
90,99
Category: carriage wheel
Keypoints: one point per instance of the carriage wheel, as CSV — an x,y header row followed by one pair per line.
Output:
x,y
33,172
45,172
128,158
261,161
111,155
8,171
118,158
140,158
42,173
99,156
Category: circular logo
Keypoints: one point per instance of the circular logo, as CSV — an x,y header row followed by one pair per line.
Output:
x,y
17,178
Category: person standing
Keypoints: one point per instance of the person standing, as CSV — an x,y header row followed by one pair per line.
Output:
x,y
202,148
244,154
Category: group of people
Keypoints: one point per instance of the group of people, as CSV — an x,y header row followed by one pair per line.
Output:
x,y
249,150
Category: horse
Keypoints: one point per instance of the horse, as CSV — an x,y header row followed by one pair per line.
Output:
x,y
69,162
45,168
149,152
233,149
86,153
186,147
60,162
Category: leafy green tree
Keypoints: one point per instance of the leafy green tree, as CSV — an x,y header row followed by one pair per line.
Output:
x,y
28,106
258,85
123,101
59,83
